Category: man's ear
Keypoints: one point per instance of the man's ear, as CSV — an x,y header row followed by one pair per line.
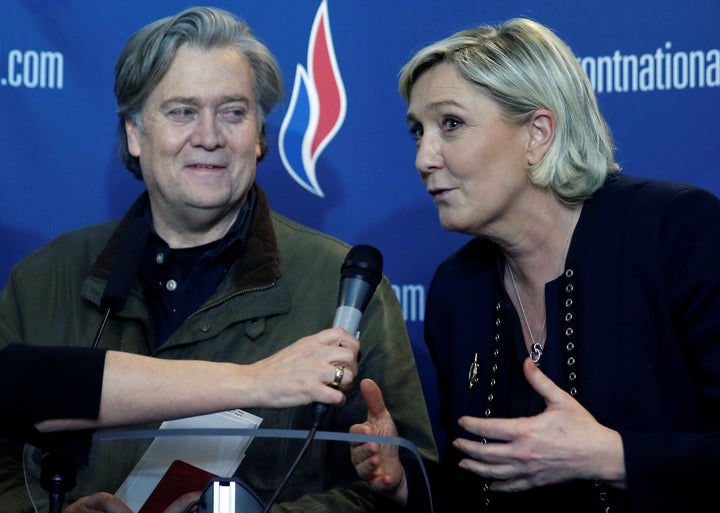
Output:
x,y
542,133
261,146
132,133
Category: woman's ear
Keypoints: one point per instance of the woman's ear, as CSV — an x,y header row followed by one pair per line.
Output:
x,y
542,134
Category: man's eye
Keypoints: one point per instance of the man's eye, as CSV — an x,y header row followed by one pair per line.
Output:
x,y
181,113
234,115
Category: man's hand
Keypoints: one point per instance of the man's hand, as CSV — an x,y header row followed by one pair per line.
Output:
x,y
378,464
99,502
103,502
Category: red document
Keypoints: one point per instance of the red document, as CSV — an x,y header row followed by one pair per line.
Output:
x,y
179,479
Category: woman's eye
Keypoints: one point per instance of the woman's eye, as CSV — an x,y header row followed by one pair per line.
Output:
x,y
451,123
416,132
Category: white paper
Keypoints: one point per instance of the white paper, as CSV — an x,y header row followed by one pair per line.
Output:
x,y
219,455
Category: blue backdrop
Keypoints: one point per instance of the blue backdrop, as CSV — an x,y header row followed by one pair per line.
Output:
x,y
341,159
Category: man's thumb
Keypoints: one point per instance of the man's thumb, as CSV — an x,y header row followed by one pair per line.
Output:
x,y
373,396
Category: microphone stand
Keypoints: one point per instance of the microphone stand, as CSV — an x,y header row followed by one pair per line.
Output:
x,y
58,476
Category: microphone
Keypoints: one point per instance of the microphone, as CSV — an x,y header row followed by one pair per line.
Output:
x,y
360,275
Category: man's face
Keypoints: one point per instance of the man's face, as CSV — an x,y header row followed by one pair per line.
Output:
x,y
199,145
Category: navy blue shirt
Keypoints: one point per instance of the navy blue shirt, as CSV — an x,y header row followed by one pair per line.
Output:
x,y
178,281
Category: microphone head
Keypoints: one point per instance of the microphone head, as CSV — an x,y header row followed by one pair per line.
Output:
x,y
364,262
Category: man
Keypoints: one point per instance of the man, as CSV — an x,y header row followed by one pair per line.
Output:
x,y
219,276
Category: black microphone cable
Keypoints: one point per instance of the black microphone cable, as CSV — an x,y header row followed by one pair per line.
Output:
x,y
319,411
291,470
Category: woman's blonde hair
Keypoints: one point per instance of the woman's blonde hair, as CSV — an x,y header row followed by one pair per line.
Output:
x,y
523,66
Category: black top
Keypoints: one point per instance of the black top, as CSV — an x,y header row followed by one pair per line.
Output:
x,y
633,332
49,383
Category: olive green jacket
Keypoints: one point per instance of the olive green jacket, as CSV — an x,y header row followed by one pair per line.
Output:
x,y
283,287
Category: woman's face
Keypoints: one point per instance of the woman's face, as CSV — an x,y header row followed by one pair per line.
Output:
x,y
473,163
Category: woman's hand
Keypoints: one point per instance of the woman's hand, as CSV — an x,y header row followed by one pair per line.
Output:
x,y
562,443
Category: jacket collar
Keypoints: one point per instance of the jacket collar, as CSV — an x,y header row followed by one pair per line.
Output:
x,y
259,263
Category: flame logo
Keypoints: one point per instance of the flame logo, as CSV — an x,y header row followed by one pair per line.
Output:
x,y
317,107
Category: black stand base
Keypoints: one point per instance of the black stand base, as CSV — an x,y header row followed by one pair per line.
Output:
x,y
58,476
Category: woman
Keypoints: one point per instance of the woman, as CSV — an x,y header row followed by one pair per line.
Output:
x,y
576,337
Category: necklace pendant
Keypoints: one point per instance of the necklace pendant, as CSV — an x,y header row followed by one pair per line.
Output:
x,y
536,351
473,373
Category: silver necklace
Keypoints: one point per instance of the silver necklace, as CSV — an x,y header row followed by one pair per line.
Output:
x,y
536,347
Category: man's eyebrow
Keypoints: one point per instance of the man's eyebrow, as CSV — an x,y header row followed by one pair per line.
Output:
x,y
191,100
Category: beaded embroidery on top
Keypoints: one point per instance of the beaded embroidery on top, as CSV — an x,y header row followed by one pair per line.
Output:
x,y
568,339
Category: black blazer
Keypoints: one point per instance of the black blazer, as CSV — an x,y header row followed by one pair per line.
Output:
x,y
644,278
